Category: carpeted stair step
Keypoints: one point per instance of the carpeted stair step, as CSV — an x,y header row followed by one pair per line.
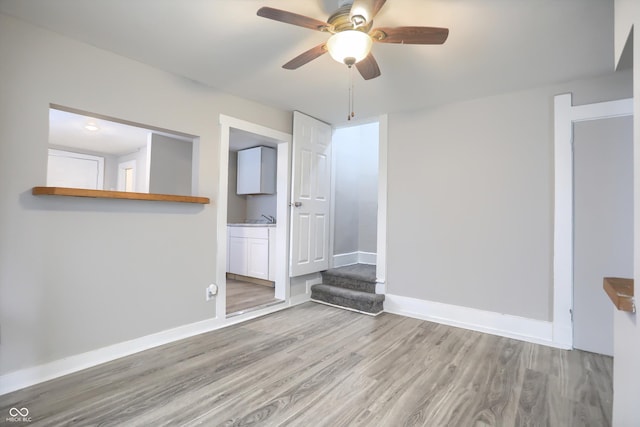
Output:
x,y
355,277
348,298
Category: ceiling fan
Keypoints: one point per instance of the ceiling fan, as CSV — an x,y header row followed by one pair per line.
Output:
x,y
352,34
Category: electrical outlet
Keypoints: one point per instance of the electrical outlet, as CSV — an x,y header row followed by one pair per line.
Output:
x,y
211,291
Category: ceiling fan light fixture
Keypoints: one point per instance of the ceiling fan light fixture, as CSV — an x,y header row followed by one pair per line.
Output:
x,y
350,46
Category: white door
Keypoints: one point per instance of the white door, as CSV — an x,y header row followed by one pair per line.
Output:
x,y
75,170
310,195
603,225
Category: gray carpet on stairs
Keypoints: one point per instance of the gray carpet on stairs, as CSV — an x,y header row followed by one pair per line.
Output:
x,y
363,272
351,286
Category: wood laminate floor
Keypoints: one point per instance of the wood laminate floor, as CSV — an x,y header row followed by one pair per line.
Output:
x,y
243,296
314,365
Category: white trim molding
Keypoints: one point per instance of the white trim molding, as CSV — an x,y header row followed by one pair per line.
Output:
x,y
357,257
22,378
57,368
489,322
381,246
565,116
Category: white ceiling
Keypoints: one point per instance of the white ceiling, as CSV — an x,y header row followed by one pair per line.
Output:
x,y
494,46
68,130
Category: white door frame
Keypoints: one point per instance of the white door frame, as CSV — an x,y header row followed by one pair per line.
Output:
x,y
381,246
282,289
122,166
565,116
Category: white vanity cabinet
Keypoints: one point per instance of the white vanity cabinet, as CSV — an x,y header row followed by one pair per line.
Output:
x,y
250,251
256,171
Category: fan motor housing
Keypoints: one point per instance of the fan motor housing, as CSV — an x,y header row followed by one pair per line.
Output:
x,y
340,21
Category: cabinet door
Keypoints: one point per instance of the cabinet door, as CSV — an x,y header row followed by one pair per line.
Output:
x,y
258,262
248,171
238,255
256,171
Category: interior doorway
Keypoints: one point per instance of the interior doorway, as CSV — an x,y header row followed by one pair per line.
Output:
x,y
566,117
355,188
252,225
603,225
251,219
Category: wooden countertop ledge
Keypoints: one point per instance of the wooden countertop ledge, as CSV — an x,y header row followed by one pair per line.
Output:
x,y
621,293
100,194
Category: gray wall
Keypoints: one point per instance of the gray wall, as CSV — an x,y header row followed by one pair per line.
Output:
x,y
261,204
170,170
78,274
470,199
368,188
355,154
236,205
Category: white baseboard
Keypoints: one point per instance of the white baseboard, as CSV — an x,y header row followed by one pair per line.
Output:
x,y
37,374
340,260
30,376
505,325
358,257
299,299
367,258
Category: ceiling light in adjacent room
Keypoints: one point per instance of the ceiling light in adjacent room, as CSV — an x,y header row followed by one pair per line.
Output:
x,y
92,127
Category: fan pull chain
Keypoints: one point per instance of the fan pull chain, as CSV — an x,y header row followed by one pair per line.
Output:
x,y
351,94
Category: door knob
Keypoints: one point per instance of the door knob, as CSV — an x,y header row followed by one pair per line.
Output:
x,y
295,204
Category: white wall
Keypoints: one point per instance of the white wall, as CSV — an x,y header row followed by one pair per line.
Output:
x,y
80,274
626,351
470,192
355,156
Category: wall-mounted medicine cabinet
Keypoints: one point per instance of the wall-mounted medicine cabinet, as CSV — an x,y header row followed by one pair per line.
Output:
x,y
256,171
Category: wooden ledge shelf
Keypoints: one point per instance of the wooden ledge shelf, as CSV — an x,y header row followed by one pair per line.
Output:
x,y
621,293
102,194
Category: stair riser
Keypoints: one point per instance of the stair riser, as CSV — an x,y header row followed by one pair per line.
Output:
x,y
348,283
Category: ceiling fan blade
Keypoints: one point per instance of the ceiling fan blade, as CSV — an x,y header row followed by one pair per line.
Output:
x,y
305,57
368,68
410,35
292,18
367,9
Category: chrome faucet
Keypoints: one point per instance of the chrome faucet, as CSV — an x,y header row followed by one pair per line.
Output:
x,y
269,218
